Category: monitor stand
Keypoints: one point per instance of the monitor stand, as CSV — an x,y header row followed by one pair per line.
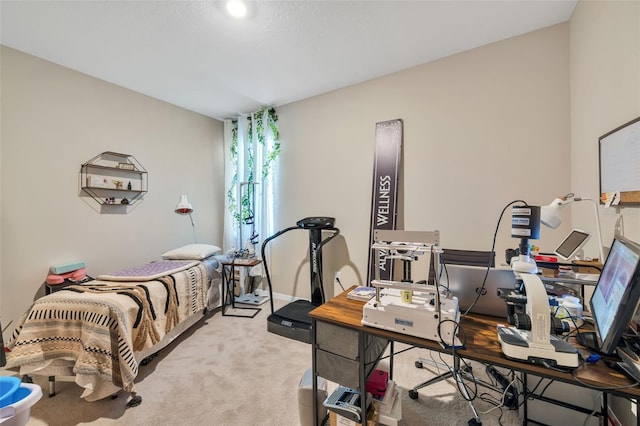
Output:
x,y
589,340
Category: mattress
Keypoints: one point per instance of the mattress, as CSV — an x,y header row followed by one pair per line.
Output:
x,y
98,331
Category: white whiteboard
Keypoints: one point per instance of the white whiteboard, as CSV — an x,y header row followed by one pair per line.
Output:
x,y
620,161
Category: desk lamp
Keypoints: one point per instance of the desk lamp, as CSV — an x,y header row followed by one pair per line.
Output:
x,y
550,216
184,207
525,224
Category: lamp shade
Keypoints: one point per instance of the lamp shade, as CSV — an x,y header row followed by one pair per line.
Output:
x,y
550,215
184,206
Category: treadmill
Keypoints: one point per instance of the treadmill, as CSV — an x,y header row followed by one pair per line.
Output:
x,y
292,320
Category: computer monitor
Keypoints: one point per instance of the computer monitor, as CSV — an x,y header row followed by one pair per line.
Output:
x,y
572,243
617,294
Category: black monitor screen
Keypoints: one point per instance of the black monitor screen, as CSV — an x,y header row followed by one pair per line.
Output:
x,y
617,293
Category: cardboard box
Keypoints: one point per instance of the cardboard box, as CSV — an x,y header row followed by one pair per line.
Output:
x,y
336,419
586,267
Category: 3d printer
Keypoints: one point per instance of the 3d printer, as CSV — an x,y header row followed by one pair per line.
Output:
x,y
409,307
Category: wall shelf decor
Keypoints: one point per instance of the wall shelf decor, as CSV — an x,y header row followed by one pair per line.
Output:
x,y
111,179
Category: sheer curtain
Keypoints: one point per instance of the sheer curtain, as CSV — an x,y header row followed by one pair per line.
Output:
x,y
251,148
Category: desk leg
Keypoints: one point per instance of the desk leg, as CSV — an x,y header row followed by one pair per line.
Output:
x,y
225,288
525,395
391,351
314,373
363,377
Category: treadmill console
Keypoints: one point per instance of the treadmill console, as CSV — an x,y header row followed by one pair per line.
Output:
x,y
316,223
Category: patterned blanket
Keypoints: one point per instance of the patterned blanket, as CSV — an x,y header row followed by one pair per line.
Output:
x,y
100,325
149,271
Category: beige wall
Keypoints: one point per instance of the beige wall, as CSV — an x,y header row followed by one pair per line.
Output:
x,y
481,129
55,119
518,119
605,93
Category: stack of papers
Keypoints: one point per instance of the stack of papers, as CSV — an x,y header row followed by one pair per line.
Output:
x,y
389,400
390,407
362,293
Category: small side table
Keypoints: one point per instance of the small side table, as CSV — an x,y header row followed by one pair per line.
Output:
x,y
228,279
52,288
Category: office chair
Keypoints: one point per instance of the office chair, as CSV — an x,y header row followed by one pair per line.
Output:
x,y
457,372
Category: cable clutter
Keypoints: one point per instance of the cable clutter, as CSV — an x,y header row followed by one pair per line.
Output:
x,y
422,307
415,302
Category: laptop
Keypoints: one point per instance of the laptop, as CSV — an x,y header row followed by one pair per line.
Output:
x,y
465,282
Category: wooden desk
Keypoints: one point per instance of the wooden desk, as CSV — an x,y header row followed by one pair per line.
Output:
x,y
481,345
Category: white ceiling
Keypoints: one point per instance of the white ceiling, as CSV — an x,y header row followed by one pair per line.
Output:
x,y
192,54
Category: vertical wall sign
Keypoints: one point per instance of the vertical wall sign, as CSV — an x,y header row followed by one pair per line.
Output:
x,y
384,209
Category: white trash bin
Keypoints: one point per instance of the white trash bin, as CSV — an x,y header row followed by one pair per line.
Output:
x,y
17,403
305,399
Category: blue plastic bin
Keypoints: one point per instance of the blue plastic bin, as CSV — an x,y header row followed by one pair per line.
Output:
x,y
16,399
8,387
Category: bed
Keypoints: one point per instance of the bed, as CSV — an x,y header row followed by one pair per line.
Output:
x,y
100,331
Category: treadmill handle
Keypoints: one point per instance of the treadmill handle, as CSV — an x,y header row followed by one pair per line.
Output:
x,y
264,260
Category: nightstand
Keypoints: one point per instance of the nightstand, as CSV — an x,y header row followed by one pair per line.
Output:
x,y
52,288
243,266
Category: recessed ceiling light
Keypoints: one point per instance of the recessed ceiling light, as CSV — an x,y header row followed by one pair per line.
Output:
x,y
236,8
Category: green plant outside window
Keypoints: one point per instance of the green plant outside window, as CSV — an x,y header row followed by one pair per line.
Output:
x,y
243,211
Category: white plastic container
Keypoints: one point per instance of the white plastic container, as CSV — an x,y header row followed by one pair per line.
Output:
x,y
19,412
305,398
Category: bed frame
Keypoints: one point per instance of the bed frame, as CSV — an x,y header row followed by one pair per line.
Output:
x,y
101,331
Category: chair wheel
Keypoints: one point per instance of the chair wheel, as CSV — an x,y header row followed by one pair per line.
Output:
x,y
474,422
413,394
418,364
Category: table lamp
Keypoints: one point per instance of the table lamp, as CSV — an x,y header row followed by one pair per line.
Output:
x,y
550,216
184,207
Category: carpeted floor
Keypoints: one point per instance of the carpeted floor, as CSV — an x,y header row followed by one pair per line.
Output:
x,y
231,371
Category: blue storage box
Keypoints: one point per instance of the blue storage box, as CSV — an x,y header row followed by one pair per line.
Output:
x,y
67,267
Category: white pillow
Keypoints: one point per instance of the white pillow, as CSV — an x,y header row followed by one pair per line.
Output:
x,y
192,252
